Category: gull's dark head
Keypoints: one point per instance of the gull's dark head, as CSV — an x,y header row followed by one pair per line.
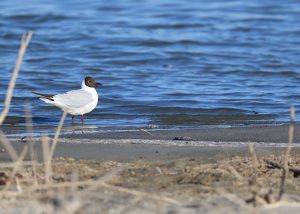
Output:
x,y
91,82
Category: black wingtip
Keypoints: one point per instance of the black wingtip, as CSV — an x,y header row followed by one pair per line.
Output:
x,y
36,93
47,96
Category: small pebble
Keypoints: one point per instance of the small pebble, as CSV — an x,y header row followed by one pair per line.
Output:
x,y
183,138
24,139
3,178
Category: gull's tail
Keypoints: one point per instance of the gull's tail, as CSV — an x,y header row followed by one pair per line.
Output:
x,y
48,98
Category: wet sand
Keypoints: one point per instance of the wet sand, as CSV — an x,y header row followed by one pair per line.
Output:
x,y
205,144
276,134
132,150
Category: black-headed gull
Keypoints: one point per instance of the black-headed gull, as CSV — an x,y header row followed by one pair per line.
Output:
x,y
76,102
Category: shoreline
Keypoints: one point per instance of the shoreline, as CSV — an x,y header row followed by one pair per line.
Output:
x,y
207,144
259,133
266,134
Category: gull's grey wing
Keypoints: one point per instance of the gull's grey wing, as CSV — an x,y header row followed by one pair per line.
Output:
x,y
74,99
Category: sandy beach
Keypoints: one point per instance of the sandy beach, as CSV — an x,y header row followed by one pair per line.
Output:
x,y
207,170
205,144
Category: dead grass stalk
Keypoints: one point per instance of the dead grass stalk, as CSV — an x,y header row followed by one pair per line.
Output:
x,y
53,146
24,43
285,170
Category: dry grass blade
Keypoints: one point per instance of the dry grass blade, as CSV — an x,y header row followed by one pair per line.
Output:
x,y
287,153
29,129
28,119
140,194
108,186
149,133
46,151
234,172
55,140
275,165
112,174
24,164
18,185
253,155
24,43
18,163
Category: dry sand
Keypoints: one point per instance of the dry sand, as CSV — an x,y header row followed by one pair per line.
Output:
x,y
205,171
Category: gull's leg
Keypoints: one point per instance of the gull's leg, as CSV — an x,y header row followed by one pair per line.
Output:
x,y
82,119
72,120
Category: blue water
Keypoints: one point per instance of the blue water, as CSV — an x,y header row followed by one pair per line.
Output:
x,y
162,63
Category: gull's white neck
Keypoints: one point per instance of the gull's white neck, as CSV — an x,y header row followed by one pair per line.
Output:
x,y
89,89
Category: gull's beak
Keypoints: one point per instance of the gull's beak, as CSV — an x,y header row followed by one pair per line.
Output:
x,y
97,84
